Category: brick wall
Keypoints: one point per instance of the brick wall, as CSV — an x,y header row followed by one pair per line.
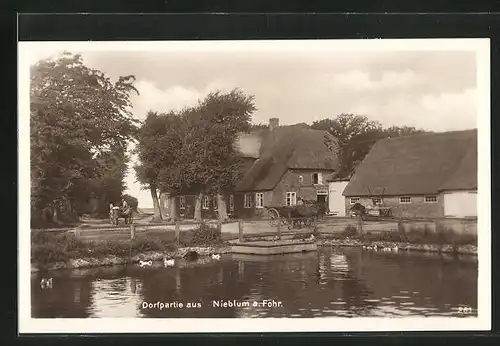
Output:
x,y
417,208
305,189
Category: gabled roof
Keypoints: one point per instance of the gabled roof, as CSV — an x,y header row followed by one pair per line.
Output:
x,y
417,164
287,147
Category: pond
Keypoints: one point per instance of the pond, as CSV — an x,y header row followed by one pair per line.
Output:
x,y
343,282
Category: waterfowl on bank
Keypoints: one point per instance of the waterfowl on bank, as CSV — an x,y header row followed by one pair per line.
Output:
x,y
146,263
168,262
216,256
311,237
396,248
46,283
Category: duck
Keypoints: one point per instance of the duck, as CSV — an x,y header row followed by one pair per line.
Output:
x,y
46,283
168,262
396,248
311,237
386,249
216,256
146,263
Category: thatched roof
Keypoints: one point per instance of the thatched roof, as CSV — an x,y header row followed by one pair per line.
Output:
x,y
417,164
287,147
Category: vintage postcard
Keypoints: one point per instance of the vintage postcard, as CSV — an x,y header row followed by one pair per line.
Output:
x,y
254,186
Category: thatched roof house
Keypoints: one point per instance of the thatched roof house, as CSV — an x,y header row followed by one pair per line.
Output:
x,y
282,148
430,175
418,165
280,165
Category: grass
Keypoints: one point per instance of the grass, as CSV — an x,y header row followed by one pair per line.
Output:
x,y
415,235
47,247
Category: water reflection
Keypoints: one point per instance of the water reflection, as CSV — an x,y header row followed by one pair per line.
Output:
x,y
331,282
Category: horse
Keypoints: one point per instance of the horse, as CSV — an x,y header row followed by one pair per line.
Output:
x,y
116,214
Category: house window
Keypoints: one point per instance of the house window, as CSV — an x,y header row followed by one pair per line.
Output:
x,y
259,200
231,202
205,202
377,201
291,198
301,179
405,200
247,200
182,202
354,200
431,199
317,178
215,205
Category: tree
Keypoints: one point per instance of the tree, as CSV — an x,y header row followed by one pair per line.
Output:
x,y
131,201
76,113
211,129
159,148
355,134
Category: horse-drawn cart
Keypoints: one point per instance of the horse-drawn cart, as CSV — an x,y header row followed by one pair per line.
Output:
x,y
293,216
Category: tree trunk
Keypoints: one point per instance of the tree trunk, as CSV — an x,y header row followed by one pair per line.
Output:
x,y
164,204
221,207
156,204
197,207
173,208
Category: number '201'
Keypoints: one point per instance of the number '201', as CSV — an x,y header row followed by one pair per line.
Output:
x,y
464,310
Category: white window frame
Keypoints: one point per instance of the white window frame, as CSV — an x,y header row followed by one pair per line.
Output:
x,y
247,200
259,200
320,178
377,200
291,198
215,204
354,200
322,193
182,202
205,203
430,199
231,202
404,199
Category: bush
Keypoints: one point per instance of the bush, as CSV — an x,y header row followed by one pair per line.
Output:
x,y
206,234
350,231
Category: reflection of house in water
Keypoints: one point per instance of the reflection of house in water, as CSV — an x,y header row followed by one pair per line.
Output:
x,y
418,276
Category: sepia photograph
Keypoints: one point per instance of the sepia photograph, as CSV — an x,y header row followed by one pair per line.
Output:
x,y
233,186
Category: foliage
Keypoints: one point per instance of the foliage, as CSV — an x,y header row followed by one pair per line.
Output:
x,y
210,133
205,235
193,148
131,201
77,115
350,231
355,135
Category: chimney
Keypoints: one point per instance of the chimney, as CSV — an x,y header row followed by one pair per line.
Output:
x,y
274,123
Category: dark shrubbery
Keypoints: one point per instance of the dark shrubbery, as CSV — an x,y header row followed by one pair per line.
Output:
x,y
350,231
206,235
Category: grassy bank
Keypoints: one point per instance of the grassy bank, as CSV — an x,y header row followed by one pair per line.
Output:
x,y
47,247
414,235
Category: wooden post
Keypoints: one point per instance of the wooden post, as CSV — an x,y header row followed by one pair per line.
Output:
x,y
219,225
360,224
177,232
279,229
240,231
132,231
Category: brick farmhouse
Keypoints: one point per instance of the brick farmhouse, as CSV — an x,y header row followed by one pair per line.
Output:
x,y
280,164
426,175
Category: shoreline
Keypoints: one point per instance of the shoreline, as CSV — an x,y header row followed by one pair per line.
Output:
x,y
202,251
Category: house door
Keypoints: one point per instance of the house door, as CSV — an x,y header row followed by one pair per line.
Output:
x,y
336,201
321,198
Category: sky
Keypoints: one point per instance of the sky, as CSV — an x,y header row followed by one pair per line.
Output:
x,y
429,89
